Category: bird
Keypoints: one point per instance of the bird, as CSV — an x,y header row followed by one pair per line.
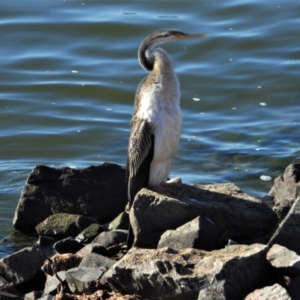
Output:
x,y
156,120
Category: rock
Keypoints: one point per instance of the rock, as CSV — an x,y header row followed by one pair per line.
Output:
x,y
53,283
289,229
282,258
89,233
293,288
61,262
274,292
68,245
200,233
33,295
93,260
93,248
97,191
244,218
83,279
109,238
23,265
169,274
286,188
63,225
120,222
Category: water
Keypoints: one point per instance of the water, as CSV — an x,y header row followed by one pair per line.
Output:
x,y
69,71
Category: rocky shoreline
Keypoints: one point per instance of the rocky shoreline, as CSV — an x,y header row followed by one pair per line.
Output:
x,y
202,242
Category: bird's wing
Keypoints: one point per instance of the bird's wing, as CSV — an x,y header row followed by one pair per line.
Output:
x,y
140,155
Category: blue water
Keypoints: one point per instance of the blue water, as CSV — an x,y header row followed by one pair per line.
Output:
x,y
69,72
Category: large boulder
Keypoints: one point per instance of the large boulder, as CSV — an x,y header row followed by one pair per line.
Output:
x,y
97,191
274,292
289,230
169,274
236,215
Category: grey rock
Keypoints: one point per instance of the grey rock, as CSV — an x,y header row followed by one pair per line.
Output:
x,y
33,295
109,238
245,218
68,245
289,229
89,233
98,191
286,188
63,225
274,292
169,274
285,259
82,279
94,260
93,248
200,233
53,283
23,265
120,222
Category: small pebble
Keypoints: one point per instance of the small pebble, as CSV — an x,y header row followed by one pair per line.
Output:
x,y
196,99
262,103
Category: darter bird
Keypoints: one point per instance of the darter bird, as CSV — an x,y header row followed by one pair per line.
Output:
x,y
156,121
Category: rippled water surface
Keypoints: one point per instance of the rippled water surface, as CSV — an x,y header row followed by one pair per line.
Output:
x,y
69,72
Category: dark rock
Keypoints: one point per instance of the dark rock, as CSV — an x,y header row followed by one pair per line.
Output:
x,y
286,189
169,274
68,245
98,191
200,233
282,258
120,222
289,229
61,262
53,283
83,279
245,218
109,238
93,248
22,266
63,225
274,292
93,260
89,233
293,288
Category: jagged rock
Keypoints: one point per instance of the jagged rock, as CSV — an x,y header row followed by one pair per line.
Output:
x,y
83,279
89,233
289,229
93,248
274,292
286,188
120,222
61,262
244,218
63,225
285,259
23,265
110,238
53,283
169,274
93,260
68,245
33,295
200,233
95,191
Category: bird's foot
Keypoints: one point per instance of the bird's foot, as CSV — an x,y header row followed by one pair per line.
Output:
x,y
169,188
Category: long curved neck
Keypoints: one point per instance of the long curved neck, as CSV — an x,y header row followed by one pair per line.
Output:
x,y
145,58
